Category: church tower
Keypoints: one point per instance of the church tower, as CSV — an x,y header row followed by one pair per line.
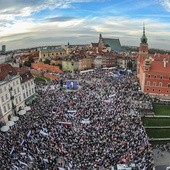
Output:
x,y
100,43
143,49
147,64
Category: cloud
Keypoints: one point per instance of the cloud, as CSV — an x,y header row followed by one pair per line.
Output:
x,y
60,19
165,4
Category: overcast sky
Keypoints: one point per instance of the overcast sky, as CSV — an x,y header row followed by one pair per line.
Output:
x,y
30,23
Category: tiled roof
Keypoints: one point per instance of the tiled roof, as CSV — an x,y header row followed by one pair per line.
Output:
x,y
5,69
24,73
113,43
158,67
58,50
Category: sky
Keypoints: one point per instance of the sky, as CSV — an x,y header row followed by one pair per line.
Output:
x,y
32,23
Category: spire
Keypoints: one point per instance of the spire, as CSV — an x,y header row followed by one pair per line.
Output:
x,y
144,38
143,29
100,37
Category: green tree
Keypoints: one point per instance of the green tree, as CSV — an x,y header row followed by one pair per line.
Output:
x,y
27,63
47,61
129,64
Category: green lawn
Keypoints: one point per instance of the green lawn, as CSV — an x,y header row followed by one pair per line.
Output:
x,y
159,142
156,121
158,133
161,109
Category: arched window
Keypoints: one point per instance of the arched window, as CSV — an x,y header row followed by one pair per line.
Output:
x,y
160,84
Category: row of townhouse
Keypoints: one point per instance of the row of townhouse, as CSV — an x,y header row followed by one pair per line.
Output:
x,y
17,88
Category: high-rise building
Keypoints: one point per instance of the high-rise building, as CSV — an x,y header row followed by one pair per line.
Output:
x,y
3,48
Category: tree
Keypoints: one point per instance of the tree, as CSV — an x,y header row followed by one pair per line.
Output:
x,y
27,63
47,61
129,64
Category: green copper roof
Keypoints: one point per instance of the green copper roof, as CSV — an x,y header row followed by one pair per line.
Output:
x,y
47,57
113,43
147,61
144,38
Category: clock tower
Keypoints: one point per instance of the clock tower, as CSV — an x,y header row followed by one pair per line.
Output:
x,y
143,49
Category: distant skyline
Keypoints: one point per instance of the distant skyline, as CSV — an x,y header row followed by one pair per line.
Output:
x,y
31,23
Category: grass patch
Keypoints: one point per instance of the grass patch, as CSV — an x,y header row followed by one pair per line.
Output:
x,y
158,133
156,121
159,142
39,78
161,109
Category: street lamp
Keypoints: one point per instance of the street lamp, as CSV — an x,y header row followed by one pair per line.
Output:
x,y
72,63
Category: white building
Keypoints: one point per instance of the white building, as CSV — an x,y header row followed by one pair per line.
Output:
x,y
5,58
14,83
28,85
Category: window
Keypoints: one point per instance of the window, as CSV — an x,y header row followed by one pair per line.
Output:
x,y
19,98
8,106
154,83
6,96
17,82
159,90
5,109
169,85
5,88
22,87
148,83
2,98
147,89
24,96
153,89
32,90
29,92
161,77
149,75
18,89
160,84
28,83
0,90
14,91
13,83
155,77
16,101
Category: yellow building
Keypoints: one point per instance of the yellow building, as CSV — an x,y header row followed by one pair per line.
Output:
x,y
52,53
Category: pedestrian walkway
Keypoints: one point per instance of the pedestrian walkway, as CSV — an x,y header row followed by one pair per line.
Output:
x,y
157,127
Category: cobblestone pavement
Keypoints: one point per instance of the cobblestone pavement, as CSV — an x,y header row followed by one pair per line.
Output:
x,y
161,159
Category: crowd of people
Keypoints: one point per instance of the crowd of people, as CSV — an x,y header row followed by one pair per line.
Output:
x,y
90,128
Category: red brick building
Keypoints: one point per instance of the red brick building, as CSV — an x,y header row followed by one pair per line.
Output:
x,y
153,71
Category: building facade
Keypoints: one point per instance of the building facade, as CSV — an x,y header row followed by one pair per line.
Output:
x,y
11,96
13,84
153,71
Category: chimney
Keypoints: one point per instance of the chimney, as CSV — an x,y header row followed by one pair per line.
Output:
x,y
164,61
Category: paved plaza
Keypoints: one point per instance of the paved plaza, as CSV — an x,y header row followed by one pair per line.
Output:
x,y
94,127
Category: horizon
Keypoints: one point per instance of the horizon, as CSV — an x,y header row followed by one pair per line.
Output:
x,y
52,22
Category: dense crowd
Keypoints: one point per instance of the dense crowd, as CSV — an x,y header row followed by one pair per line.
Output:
x,y
85,129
